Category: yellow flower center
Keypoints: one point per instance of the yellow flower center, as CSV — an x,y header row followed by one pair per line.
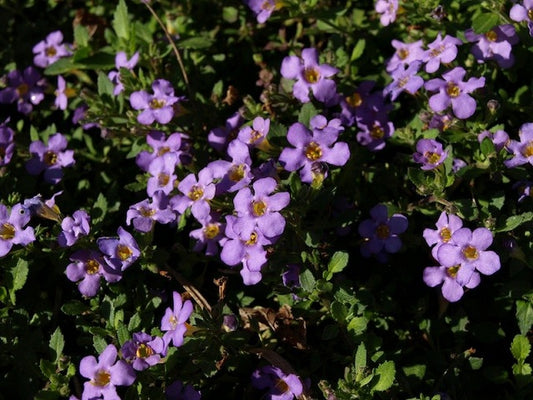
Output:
x,y
50,51
432,158
527,151
124,252
147,212
157,103
491,35
7,231
471,253
530,14
313,151
162,179
92,266
173,321
259,208
236,173
355,100
403,53
445,234
453,90
211,231
436,51
403,81
377,132
101,378
452,271
383,231
282,386
252,240
144,351
311,75
50,158
163,150
196,193
22,89
266,5
255,136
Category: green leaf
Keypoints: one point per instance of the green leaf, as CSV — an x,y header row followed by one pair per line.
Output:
x,y
520,348
56,344
81,36
195,43
337,263
121,21
230,14
514,221
47,367
524,315
135,322
122,334
105,86
484,22
99,209
339,312
418,370
357,325
358,49
487,147
99,344
386,373
307,280
74,307
360,357
19,275
61,66
307,112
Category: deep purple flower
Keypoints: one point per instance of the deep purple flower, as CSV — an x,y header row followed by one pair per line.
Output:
x,y
61,94
145,213
173,322
447,224
405,54
442,122
281,386
453,90
219,137
254,135
121,252
496,44
87,268
312,147
50,50
441,50
50,158
263,9
7,143
12,229
105,374
523,12
208,236
429,153
522,150
363,105
156,107
310,75
160,145
388,10
500,138
73,228
26,89
121,61
374,136
291,277
178,391
404,79
143,350
196,194
380,232
162,176
524,189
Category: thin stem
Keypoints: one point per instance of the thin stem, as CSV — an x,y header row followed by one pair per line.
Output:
x,y
195,293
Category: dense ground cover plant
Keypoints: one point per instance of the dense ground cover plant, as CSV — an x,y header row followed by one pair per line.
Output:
x,y
266,199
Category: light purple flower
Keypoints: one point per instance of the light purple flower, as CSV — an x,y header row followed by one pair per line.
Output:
x,y
12,231
388,10
496,44
105,374
255,134
145,213
310,75
523,12
522,150
156,107
196,194
219,137
453,279
429,153
50,50
143,350
234,174
162,176
441,50
160,145
208,236
61,94
178,391
263,8
121,61
50,158
7,143
458,164
447,224
87,268
73,228
404,79
453,90
500,138
121,252
281,386
173,321
405,54
25,88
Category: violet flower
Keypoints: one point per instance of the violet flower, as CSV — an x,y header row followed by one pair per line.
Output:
x,y
522,150
50,50
208,236
310,75
446,225
121,61
25,88
429,153
145,213
453,90
178,391
121,252
281,386
388,10
291,277
458,164
61,94
405,54
196,194
162,176
160,145
12,228
496,44
50,158
219,137
404,79
523,12
105,374
7,144
524,189
73,228
254,135
173,321
234,174
500,138
143,350
453,279
441,50
156,107
263,9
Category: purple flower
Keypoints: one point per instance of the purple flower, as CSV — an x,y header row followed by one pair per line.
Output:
x,y
522,150
61,94
208,235
312,147
255,134
121,61
281,386
219,137
143,350
458,164
405,54
162,174
453,90
121,252
380,232
496,44
388,10
47,209
441,50
7,143
156,107
178,391
173,322
524,189
50,158
196,194
500,138
291,277
310,75
523,12
12,229
453,279
26,89
262,208
87,268
234,174
374,136
441,121
429,153
73,228
145,213
160,145
404,79
263,8
50,50
446,226
105,374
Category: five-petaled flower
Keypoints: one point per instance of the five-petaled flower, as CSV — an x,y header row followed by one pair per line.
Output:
x,y
50,158
50,50
12,228
157,106
174,320
522,150
429,153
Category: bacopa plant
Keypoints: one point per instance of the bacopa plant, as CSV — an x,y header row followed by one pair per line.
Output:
x,y
266,200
